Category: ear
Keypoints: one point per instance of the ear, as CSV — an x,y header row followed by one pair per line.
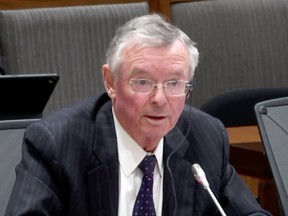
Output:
x,y
108,80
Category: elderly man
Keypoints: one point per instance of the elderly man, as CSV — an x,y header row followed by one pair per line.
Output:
x,y
130,150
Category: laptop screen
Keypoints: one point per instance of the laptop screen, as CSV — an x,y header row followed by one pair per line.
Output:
x,y
272,116
25,96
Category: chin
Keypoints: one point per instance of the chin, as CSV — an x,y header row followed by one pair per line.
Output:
x,y
155,133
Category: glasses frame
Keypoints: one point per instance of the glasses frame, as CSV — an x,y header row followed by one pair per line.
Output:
x,y
188,88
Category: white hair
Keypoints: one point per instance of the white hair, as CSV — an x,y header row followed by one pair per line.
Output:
x,y
151,30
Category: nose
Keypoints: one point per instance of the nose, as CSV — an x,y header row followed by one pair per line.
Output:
x,y
158,96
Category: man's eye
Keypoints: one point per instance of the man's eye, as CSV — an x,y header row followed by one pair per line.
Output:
x,y
173,82
142,82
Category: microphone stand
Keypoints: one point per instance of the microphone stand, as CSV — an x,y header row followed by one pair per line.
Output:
x,y
200,177
216,201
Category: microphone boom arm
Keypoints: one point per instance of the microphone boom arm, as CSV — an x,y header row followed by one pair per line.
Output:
x,y
200,177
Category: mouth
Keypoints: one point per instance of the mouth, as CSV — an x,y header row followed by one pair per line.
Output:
x,y
154,119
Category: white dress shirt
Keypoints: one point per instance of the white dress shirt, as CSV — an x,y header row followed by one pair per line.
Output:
x,y
130,176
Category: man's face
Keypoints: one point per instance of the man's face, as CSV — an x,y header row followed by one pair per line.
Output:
x,y
149,117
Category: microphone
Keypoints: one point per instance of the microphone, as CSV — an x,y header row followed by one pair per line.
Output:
x,y
200,177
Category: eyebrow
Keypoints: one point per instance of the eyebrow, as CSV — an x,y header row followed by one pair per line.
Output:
x,y
178,73
144,73
138,71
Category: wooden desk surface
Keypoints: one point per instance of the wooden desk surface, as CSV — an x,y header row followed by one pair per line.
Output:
x,y
246,134
247,153
248,157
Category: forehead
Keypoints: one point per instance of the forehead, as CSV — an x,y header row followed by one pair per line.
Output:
x,y
141,58
136,45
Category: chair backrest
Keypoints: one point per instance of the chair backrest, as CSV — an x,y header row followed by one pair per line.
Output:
x,y
236,108
272,116
242,44
69,41
11,135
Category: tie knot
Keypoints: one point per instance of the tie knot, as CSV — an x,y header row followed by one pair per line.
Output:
x,y
147,165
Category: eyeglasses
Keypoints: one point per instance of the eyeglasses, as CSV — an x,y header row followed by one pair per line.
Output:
x,y
171,87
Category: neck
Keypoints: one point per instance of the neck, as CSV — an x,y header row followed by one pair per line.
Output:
x,y
149,145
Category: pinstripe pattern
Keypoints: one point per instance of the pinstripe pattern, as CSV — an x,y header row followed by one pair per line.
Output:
x,y
70,166
242,43
70,41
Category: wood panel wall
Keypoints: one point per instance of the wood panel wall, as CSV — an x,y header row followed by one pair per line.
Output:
x,y
161,6
21,4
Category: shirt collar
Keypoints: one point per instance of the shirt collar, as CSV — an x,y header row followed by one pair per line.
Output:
x,y
130,154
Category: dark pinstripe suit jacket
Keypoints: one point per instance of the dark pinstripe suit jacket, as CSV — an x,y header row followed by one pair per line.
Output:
x,y
70,166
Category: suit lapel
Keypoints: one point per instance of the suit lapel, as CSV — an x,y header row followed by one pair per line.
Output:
x,y
183,181
103,178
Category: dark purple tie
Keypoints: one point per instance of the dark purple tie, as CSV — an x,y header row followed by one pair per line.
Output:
x,y
144,205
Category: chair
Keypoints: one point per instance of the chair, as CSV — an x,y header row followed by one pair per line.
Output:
x,y
272,118
242,44
11,135
18,110
69,41
236,108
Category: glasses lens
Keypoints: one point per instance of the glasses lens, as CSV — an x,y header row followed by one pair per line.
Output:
x,y
176,87
141,85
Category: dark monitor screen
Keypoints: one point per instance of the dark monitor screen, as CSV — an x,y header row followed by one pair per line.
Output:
x,y
25,96
272,116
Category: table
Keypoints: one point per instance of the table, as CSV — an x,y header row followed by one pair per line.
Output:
x,y
248,157
247,151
